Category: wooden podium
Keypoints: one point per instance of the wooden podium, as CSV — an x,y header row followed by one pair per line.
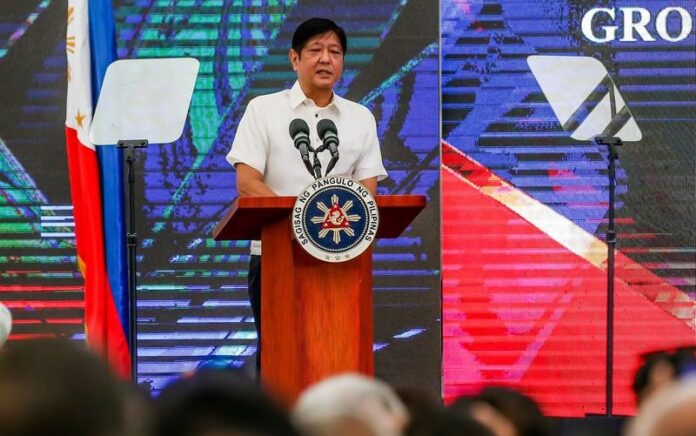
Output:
x,y
317,316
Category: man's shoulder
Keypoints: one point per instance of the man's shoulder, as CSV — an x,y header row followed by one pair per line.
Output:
x,y
353,107
269,100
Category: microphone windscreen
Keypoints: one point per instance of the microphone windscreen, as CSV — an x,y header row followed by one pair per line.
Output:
x,y
325,126
298,126
5,323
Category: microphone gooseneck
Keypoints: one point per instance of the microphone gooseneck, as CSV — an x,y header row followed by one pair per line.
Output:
x,y
329,137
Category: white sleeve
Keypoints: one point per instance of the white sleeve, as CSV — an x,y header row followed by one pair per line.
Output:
x,y
369,163
250,145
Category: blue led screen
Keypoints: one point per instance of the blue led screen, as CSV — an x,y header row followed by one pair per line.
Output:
x,y
192,303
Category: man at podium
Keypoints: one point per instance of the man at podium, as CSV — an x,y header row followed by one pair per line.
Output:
x,y
280,133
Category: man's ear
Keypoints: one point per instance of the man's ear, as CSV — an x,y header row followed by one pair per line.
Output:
x,y
294,58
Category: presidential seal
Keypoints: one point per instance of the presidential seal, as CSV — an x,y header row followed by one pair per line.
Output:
x,y
335,219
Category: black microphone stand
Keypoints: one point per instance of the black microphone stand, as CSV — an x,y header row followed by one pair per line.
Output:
x,y
132,242
317,166
611,143
332,163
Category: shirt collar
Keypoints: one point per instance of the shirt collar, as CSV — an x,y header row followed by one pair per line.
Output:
x,y
297,97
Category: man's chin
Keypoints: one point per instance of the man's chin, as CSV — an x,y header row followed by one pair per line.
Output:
x,y
324,84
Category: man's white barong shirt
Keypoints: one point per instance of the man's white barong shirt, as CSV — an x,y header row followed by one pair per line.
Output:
x,y
263,141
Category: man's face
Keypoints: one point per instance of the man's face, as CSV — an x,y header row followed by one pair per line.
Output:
x,y
319,64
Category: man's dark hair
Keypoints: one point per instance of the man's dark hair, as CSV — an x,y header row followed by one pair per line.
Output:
x,y
682,361
317,26
58,387
521,410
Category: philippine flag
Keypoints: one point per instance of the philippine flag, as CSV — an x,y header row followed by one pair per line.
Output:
x,y
90,47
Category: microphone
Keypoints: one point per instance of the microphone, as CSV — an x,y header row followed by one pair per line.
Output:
x,y
329,137
299,132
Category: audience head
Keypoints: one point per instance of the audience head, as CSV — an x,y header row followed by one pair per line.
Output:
x,y
671,411
660,369
446,422
418,402
58,387
441,421
430,418
506,412
5,323
218,402
350,404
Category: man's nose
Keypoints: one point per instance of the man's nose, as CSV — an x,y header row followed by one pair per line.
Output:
x,y
324,56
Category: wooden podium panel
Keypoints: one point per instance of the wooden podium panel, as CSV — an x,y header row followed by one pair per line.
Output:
x,y
316,316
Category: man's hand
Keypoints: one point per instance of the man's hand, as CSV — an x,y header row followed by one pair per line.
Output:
x,y
250,182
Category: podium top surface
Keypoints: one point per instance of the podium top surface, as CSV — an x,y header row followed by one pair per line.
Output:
x,y
247,215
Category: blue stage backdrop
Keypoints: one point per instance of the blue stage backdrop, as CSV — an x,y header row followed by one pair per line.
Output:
x,y
192,305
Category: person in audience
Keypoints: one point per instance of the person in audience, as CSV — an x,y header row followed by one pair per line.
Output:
x,y
660,369
350,405
445,422
418,402
218,402
670,411
657,372
506,412
58,387
430,418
